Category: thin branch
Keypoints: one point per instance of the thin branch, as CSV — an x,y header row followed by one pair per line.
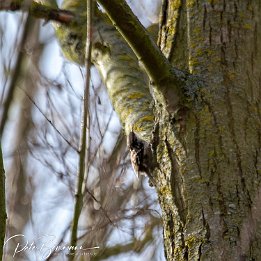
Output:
x,y
167,82
136,246
63,234
40,11
50,122
85,139
155,63
3,215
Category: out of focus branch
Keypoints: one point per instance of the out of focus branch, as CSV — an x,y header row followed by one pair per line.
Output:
x,y
2,204
85,133
38,10
136,245
15,76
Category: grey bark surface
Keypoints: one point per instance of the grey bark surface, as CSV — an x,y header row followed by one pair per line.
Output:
x,y
206,159
208,179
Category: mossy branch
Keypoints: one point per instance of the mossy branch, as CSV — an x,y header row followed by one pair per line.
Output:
x,y
167,82
128,88
145,48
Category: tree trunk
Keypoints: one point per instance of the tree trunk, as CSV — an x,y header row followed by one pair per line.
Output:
x,y
208,162
206,159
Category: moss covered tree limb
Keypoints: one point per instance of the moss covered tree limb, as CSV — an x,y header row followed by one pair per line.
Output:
x,y
167,83
119,67
126,83
138,38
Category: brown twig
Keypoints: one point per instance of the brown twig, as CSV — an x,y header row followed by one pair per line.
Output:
x,y
85,139
40,11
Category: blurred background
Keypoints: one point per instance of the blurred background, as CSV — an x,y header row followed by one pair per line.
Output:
x,y
40,143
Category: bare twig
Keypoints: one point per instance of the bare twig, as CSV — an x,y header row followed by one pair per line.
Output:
x,y
155,63
50,122
85,136
39,11
136,246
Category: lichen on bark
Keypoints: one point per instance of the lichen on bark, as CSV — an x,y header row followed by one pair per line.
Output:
x,y
207,154
119,68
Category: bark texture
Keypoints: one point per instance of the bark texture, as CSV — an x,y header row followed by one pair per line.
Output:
x,y
119,68
206,157
208,176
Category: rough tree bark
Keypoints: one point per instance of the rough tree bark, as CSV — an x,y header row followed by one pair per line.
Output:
x,y
206,160
208,179
204,155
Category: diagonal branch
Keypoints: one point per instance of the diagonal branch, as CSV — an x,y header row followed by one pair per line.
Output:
x,y
38,10
155,63
128,88
118,66
168,83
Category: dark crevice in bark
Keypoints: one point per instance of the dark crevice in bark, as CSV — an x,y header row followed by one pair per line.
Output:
x,y
169,235
171,229
163,21
236,51
236,11
174,38
205,17
231,124
176,185
197,145
169,24
222,207
238,191
212,4
220,141
185,253
199,252
206,226
163,16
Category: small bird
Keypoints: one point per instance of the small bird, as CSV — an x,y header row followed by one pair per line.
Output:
x,y
136,148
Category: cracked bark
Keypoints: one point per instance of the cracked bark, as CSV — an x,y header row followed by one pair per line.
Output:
x,y
215,160
207,171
